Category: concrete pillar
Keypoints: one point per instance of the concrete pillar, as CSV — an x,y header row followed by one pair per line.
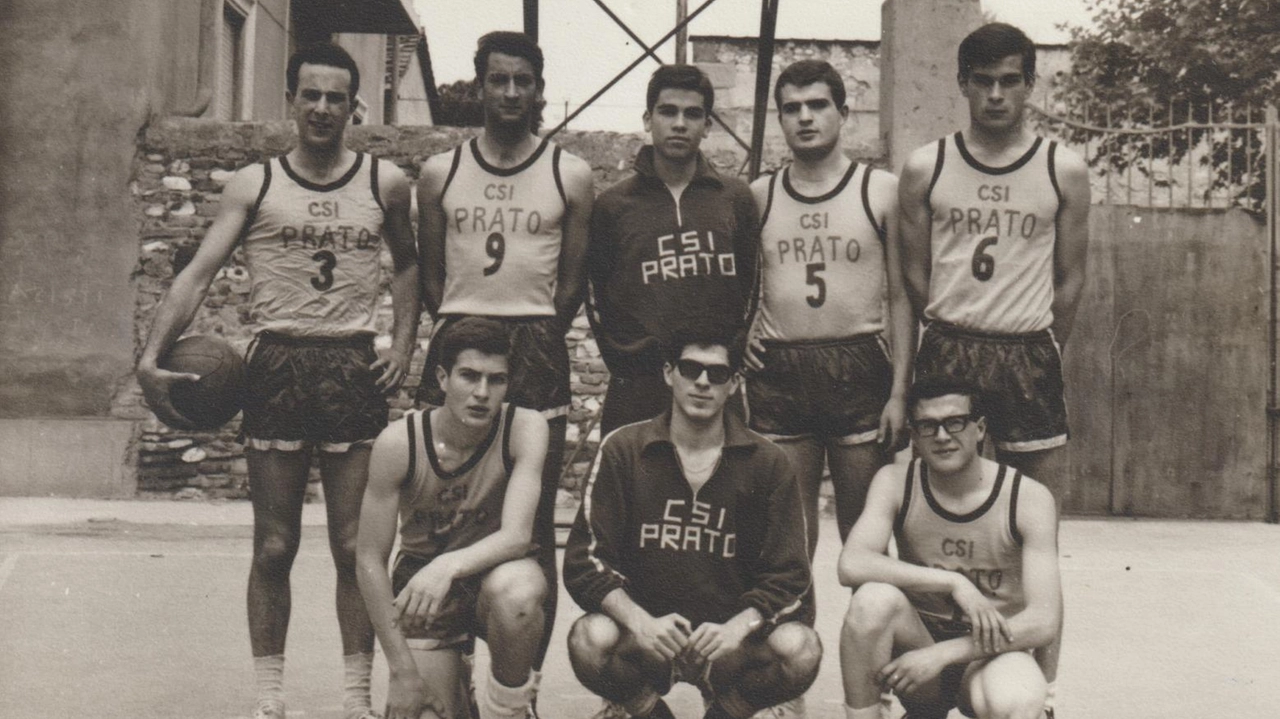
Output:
x,y
919,98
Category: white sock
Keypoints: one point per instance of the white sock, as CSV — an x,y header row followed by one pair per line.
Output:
x,y
268,674
872,712
1051,697
502,702
356,670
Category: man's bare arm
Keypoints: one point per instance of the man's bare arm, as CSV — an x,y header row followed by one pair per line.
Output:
x,y
1037,624
915,225
1070,250
884,193
431,229
405,305
189,288
571,279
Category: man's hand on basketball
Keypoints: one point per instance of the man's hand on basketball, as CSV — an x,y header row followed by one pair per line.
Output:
x,y
711,641
156,383
665,636
989,626
421,599
407,696
893,424
395,367
913,669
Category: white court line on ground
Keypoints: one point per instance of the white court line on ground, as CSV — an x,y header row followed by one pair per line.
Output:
x,y
6,568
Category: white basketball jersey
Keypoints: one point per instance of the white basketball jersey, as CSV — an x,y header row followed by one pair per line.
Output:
x,y
503,233
313,251
823,261
994,230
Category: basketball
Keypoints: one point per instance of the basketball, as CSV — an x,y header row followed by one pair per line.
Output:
x,y
218,395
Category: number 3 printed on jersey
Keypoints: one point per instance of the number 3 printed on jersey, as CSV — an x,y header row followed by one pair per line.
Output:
x,y
327,262
984,265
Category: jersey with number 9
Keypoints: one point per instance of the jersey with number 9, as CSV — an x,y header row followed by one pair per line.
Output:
x,y
313,251
502,233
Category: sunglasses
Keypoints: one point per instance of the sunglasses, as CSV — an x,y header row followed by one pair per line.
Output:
x,y
953,425
693,369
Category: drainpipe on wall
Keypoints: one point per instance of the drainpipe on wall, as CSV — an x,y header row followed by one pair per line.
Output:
x,y
207,61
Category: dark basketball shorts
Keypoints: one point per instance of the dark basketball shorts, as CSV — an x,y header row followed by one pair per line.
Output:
x,y
538,368
1021,376
455,625
828,389
312,391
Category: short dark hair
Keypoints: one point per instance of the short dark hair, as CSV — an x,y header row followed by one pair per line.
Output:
x,y
807,72
675,345
940,385
485,335
992,43
323,53
515,44
680,77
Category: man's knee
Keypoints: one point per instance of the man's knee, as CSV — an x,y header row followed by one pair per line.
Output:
x,y
1009,686
592,638
514,592
799,652
873,607
275,551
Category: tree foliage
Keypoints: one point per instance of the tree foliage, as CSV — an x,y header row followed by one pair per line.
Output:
x,y
1171,62
459,105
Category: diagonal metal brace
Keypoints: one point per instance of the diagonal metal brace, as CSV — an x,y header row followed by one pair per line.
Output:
x,y
648,53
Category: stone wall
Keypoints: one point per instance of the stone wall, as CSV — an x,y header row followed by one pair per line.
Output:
x,y
178,175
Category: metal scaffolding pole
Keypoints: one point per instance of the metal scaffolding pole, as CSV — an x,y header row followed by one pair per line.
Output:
x,y
764,69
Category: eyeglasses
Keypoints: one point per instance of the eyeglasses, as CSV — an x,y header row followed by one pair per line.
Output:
x,y
693,369
953,425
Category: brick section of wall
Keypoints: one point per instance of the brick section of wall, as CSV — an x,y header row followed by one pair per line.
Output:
x,y
178,175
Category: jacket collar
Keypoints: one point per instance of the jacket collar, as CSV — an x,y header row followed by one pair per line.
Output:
x,y
658,430
704,172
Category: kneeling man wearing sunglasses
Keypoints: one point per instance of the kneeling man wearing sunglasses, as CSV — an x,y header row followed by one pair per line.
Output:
x,y
689,554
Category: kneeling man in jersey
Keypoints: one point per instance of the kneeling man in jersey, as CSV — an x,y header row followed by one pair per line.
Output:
x,y
464,479
952,621
689,554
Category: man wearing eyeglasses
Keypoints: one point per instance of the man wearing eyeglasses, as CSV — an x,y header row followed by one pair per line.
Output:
x,y
951,621
689,554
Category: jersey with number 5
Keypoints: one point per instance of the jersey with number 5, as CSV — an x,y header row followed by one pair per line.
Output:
x,y
994,230
502,233
823,273
313,251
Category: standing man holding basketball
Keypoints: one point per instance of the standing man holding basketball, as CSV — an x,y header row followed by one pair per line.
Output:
x,y
313,223
995,230
502,230
823,385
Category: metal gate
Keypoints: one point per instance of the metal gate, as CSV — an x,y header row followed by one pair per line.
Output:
x,y
1202,172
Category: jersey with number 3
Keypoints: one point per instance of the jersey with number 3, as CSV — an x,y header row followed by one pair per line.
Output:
x,y
503,233
823,261
313,251
994,230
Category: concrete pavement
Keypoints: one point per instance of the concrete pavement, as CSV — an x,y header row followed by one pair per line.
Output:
x,y
136,609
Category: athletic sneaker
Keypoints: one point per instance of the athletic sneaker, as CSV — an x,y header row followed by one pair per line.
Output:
x,y
610,710
790,709
269,709
364,714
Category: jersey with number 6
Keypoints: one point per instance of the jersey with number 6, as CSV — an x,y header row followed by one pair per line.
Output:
x,y
994,230
823,260
313,251
502,233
